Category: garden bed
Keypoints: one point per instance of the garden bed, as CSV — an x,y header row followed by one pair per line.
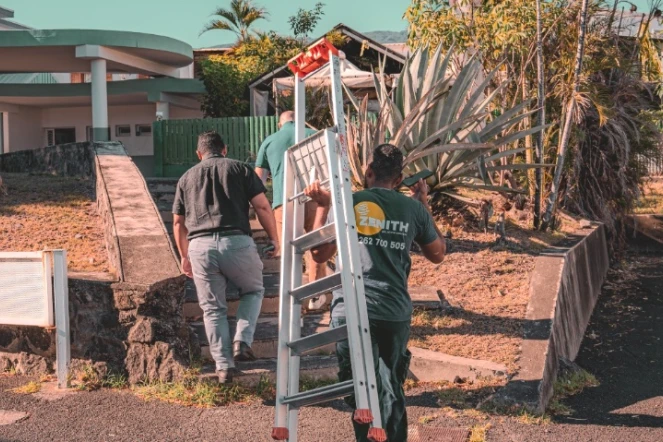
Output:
x,y
486,282
40,212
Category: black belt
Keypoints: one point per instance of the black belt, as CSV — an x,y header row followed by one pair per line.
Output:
x,y
233,232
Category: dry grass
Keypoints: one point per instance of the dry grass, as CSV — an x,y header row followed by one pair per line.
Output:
x,y
651,201
29,388
478,433
47,212
486,281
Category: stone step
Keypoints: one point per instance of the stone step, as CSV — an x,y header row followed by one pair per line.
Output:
x,y
423,297
265,342
314,367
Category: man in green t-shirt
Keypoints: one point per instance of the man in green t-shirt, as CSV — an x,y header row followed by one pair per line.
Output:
x,y
388,222
270,159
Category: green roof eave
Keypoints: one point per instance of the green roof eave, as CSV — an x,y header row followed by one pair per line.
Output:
x,y
152,87
78,37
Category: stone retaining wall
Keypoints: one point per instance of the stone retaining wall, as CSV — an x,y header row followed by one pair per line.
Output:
x,y
75,159
136,325
565,285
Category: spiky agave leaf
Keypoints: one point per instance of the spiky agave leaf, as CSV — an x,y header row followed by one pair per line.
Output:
x,y
443,122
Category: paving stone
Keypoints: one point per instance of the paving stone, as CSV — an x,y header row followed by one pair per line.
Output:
x,y
8,417
251,373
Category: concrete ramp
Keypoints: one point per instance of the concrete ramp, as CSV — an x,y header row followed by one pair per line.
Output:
x,y
144,252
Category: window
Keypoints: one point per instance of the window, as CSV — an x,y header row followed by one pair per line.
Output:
x,y
123,130
55,137
143,130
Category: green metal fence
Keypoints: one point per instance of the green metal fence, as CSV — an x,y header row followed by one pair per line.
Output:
x,y
175,140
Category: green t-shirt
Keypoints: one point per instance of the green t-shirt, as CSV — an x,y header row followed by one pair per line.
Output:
x,y
387,223
270,157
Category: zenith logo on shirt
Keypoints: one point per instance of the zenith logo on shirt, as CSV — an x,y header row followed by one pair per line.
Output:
x,y
371,220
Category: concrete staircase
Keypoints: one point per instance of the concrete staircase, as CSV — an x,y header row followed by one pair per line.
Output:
x,y
320,364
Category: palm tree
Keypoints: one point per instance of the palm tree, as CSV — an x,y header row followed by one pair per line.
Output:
x,y
238,18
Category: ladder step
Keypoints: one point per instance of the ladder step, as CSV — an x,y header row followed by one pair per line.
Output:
x,y
318,287
319,395
318,340
315,238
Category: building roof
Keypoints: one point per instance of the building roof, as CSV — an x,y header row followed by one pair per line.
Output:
x,y
397,59
6,12
57,50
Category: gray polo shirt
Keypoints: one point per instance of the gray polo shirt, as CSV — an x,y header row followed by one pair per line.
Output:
x,y
214,196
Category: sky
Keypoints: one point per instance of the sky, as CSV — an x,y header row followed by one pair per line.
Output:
x,y
183,20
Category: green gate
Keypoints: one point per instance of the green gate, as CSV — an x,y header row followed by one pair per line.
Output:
x,y
175,140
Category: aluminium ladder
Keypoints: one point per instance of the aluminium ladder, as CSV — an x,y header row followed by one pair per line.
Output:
x,y
322,157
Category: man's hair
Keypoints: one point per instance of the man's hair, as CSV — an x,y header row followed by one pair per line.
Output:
x,y
210,143
286,117
387,162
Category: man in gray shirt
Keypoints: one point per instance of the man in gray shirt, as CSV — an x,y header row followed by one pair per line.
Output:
x,y
213,234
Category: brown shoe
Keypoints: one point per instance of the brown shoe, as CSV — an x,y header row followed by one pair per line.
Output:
x,y
242,352
226,376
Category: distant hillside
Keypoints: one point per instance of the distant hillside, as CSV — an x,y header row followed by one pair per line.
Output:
x,y
387,36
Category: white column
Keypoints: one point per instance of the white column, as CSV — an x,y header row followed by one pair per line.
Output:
x,y
163,110
99,101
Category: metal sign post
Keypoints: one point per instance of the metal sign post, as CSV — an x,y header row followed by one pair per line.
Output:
x,y
34,292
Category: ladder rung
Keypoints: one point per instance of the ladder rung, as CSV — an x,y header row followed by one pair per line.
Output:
x,y
318,340
318,395
302,193
315,238
318,287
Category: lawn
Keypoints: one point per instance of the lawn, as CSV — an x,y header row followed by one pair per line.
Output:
x,y
39,212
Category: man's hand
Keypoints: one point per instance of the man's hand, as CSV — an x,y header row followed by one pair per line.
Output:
x,y
275,251
319,195
420,192
186,267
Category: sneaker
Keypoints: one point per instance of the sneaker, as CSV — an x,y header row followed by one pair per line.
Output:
x,y
242,352
226,376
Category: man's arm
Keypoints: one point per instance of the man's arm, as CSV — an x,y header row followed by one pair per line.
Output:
x,y
262,174
433,251
324,252
262,165
180,232
266,217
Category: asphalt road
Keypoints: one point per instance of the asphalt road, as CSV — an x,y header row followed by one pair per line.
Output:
x,y
622,348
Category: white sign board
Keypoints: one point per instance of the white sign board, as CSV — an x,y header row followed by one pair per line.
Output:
x,y
26,289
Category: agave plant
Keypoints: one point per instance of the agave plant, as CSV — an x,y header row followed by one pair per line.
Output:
x,y
443,122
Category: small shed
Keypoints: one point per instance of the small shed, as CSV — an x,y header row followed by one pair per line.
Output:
x,y
362,56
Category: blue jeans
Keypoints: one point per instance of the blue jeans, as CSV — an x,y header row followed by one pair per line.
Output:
x,y
215,260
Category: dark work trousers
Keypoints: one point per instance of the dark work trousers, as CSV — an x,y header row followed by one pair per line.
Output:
x,y
392,360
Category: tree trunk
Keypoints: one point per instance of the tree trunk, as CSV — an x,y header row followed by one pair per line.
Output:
x,y
551,204
541,103
529,157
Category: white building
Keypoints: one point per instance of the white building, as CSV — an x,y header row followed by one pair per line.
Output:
x,y
62,86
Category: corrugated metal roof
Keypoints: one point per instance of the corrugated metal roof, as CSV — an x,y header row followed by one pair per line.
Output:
x,y
40,78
